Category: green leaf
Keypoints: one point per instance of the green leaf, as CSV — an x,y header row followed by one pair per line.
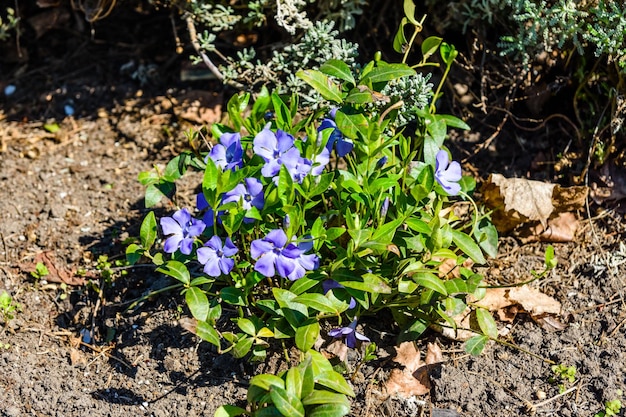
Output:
x,y
229,411
453,121
367,282
285,186
418,225
261,103
234,296
329,410
550,260
293,382
153,195
325,397
246,326
176,167
351,125
487,237
319,364
431,281
386,72
339,69
468,246
134,253
385,233
332,233
307,335
267,382
302,285
242,347
448,53
148,231
429,46
176,270
318,302
456,286
409,12
269,411
207,332
322,84
287,403
335,381
399,41
413,331
197,302
487,323
475,345
359,95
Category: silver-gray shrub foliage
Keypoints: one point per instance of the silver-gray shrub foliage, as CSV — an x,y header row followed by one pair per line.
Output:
x,y
540,25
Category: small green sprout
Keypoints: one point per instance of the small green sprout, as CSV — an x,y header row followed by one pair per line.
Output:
x,y
40,271
8,307
611,408
564,373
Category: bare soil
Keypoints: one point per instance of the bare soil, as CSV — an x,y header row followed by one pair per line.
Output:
x,y
71,196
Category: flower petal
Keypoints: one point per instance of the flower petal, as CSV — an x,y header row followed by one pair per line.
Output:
x,y
264,144
441,162
172,244
182,217
285,141
259,247
265,265
186,246
229,248
226,265
277,237
170,226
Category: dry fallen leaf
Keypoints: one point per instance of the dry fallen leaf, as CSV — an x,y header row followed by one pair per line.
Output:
x,y
58,275
537,205
534,301
414,379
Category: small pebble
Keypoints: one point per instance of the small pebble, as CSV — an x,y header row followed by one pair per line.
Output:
x,y
541,395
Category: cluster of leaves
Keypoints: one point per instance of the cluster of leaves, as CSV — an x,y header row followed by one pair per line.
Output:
x,y
8,307
312,217
10,24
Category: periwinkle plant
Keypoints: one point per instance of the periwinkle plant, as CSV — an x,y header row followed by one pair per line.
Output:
x,y
307,218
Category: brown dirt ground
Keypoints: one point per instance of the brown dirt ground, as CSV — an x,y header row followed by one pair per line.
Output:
x,y
72,196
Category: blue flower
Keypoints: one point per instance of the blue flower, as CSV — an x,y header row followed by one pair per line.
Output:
x,y
183,229
274,254
448,174
250,195
228,154
331,284
217,258
275,149
344,146
350,335
384,208
320,162
202,204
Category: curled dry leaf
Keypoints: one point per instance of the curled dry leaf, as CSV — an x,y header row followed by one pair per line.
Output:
x,y
414,379
57,275
536,205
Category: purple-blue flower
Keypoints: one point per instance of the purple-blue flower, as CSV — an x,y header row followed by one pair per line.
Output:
x,y
276,149
217,258
448,174
274,254
298,168
344,146
320,162
384,208
183,229
350,335
202,204
228,153
331,284
304,262
249,194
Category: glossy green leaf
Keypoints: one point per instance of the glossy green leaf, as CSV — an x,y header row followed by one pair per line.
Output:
x,y
322,84
293,382
386,72
452,121
486,235
399,40
287,403
409,12
267,381
134,252
325,397
232,295
197,302
176,270
307,335
429,46
242,347
319,364
148,231
351,125
334,381
207,332
367,282
246,326
486,323
468,246
359,95
475,345
317,301
329,410
338,68
431,281
229,411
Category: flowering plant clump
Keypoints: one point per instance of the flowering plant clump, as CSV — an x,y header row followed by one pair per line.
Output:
x,y
309,223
